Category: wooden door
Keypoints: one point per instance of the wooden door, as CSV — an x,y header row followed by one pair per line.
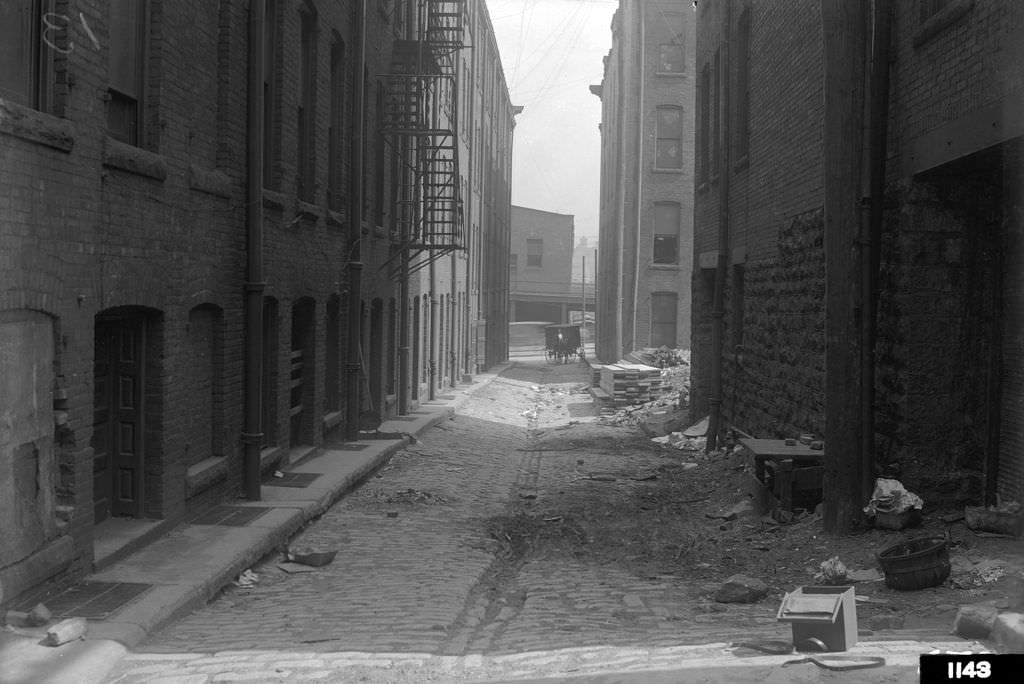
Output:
x,y
118,417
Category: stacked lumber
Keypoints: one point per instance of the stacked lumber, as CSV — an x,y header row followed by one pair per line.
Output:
x,y
630,383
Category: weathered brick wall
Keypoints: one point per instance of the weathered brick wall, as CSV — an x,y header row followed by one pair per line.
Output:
x,y
778,388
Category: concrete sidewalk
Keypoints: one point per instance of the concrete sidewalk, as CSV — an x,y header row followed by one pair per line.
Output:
x,y
192,563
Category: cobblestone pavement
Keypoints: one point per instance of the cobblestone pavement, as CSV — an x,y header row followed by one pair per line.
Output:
x,y
429,586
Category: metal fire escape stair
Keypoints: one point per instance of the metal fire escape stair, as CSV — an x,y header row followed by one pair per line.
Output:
x,y
420,120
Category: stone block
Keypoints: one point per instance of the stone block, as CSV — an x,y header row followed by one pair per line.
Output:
x,y
1008,633
975,621
741,589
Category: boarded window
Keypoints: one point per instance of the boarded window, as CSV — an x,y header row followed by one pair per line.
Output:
x,y
671,58
663,319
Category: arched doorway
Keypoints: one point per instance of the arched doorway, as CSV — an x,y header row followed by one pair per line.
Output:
x,y
127,370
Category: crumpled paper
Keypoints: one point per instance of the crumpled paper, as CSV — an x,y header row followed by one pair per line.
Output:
x,y
890,496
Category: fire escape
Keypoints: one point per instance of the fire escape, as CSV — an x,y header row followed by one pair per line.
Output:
x,y
421,122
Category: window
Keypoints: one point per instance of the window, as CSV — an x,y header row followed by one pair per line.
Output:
x,y
666,232
663,319
126,69
534,253
716,116
306,112
671,57
335,131
378,161
669,151
705,127
271,124
743,85
27,51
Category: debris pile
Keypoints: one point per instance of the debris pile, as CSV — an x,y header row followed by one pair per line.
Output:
x,y
630,383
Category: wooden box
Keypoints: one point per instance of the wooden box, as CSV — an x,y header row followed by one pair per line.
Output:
x,y
822,618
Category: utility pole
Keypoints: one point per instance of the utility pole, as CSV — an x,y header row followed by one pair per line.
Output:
x,y
844,30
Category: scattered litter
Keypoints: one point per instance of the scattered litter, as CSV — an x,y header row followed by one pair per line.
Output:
x,y
295,568
247,579
1005,519
645,477
869,575
309,556
554,519
698,429
65,631
890,496
833,572
278,473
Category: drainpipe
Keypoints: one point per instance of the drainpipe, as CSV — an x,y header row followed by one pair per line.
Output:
x,y
404,351
871,242
718,307
639,226
252,432
355,223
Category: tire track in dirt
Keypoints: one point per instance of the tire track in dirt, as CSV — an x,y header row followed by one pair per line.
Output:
x,y
495,600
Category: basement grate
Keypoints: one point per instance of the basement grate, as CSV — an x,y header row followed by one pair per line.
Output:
x,y
299,480
91,600
232,516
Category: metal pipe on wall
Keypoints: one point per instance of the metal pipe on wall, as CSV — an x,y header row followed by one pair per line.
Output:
x,y
718,307
252,431
881,25
355,226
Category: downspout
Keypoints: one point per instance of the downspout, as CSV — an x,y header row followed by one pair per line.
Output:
x,y
724,157
639,226
252,432
355,223
404,351
871,261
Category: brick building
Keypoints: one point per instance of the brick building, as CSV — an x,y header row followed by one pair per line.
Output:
x,y
947,353
164,339
540,266
646,213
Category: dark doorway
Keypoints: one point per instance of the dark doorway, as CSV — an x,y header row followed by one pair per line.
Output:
x,y
119,415
303,371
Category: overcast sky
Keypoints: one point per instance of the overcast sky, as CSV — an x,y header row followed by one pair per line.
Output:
x,y
551,51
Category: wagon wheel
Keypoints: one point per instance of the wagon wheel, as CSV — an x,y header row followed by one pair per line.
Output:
x,y
551,355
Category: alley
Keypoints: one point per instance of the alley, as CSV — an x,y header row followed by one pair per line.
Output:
x,y
514,540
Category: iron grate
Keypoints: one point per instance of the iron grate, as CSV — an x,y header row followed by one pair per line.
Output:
x,y
90,600
233,516
299,480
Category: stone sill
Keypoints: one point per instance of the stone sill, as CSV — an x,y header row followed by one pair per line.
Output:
x,y
332,420
119,155
210,181
335,218
671,171
671,74
204,475
665,267
36,127
309,211
273,200
941,20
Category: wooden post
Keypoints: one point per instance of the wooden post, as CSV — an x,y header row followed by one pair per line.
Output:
x,y
844,28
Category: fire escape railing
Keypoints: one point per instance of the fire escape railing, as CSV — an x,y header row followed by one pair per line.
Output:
x,y
420,120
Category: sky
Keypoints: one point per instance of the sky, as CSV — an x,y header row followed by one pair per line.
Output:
x,y
551,52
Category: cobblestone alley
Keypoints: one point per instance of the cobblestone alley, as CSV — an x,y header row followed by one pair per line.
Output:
x,y
474,554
